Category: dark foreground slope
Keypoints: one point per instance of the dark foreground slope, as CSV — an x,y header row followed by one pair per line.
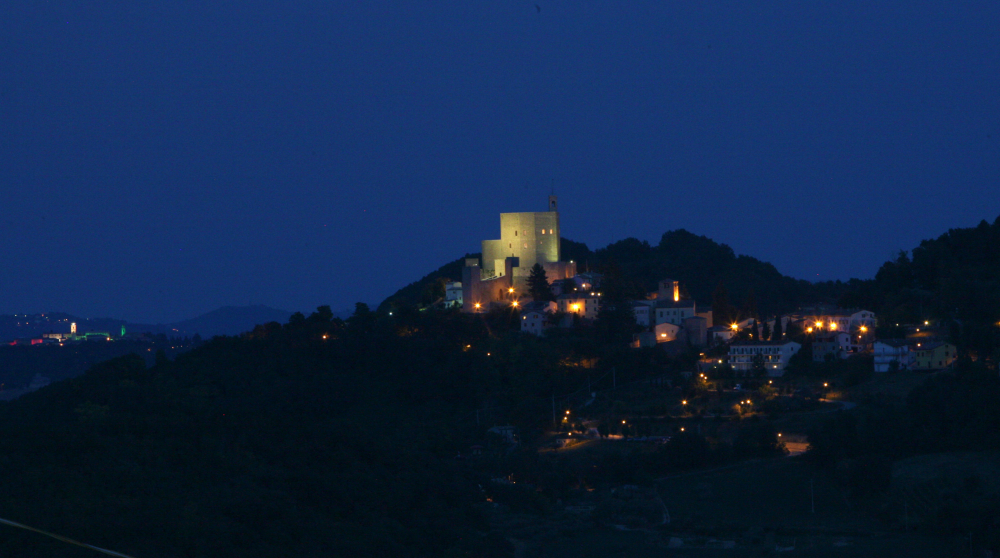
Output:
x,y
278,443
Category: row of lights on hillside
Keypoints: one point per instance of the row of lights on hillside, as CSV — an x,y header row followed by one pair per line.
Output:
x,y
515,303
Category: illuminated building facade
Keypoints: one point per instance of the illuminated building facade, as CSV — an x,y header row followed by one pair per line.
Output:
x,y
502,275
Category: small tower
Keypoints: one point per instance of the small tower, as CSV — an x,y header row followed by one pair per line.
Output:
x,y
552,203
72,329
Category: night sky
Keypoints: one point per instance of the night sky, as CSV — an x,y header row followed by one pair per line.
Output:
x,y
161,159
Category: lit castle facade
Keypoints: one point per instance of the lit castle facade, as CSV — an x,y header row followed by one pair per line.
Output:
x,y
525,239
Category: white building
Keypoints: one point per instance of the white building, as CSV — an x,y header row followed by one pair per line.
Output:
x,y
674,312
836,343
453,294
774,355
892,350
643,310
535,317
853,322
666,332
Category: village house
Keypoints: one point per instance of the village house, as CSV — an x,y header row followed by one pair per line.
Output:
x,y
888,351
835,343
536,317
933,355
772,355
584,305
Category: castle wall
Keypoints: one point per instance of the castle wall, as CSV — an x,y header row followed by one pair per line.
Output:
x,y
530,237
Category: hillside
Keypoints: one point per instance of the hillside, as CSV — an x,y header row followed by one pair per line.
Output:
x,y
277,443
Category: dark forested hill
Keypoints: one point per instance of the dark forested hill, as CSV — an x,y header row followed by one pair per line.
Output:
x,y
954,278
317,438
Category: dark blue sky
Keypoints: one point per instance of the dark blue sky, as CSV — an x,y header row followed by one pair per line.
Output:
x,y
161,159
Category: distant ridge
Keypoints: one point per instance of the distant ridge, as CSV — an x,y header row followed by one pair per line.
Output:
x,y
232,320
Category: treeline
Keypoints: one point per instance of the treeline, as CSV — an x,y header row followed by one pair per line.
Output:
x,y
953,279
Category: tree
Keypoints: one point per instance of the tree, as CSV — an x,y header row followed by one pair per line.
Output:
x,y
538,284
750,305
776,334
721,314
615,317
765,333
566,286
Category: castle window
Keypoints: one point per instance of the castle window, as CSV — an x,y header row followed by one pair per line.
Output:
x,y
550,231
543,231
515,233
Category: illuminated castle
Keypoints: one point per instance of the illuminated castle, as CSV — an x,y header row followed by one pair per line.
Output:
x,y
525,239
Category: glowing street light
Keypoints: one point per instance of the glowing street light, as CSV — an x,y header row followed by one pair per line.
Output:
x,y
510,290
734,326
684,402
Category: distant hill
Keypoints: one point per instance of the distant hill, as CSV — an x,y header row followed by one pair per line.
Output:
x,y
231,320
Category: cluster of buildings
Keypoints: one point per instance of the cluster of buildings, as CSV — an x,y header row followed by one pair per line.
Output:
x,y
913,354
62,338
500,278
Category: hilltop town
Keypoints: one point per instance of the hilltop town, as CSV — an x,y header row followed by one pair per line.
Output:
x,y
524,272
